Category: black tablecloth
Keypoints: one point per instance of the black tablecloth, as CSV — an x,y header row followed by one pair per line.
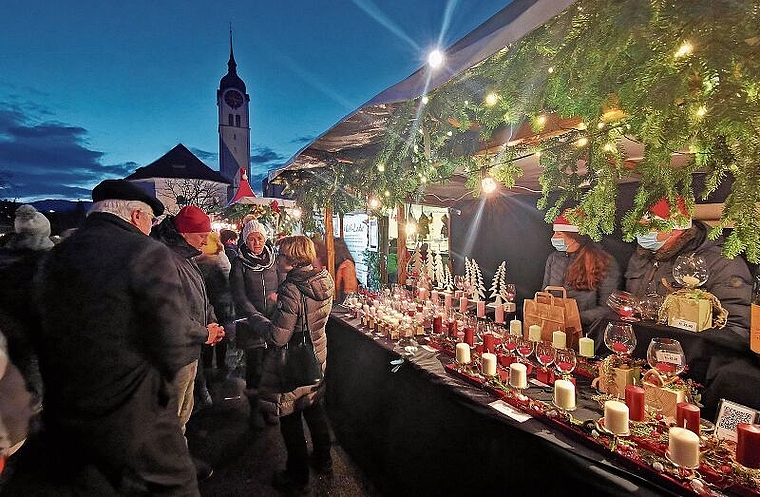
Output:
x,y
420,431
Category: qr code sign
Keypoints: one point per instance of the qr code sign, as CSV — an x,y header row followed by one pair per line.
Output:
x,y
730,415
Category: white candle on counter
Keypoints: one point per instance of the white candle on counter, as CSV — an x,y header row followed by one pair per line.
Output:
x,y
518,375
463,353
481,309
463,304
515,327
586,347
488,361
447,300
559,339
498,312
683,446
564,394
534,333
616,417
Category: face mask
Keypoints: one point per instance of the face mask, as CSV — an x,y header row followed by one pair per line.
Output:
x,y
649,241
559,244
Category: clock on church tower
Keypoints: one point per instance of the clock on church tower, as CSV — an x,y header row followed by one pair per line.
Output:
x,y
233,98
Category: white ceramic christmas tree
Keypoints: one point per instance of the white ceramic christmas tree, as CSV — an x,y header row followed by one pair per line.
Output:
x,y
448,278
430,268
499,281
440,276
476,281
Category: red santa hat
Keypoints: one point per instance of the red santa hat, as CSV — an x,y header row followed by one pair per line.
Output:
x,y
661,210
563,224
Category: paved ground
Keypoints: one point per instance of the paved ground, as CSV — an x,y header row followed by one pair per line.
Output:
x,y
245,461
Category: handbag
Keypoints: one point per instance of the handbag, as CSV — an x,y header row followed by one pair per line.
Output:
x,y
299,365
553,313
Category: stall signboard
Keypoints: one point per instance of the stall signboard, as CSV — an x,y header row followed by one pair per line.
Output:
x,y
357,233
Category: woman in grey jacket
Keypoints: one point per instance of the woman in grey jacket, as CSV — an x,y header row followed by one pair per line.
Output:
x,y
583,268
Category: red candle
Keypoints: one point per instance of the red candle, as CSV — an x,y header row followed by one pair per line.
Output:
x,y
469,335
488,342
437,323
687,416
634,399
452,327
748,445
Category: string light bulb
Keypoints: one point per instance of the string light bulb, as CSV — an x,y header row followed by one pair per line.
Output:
x,y
610,147
685,49
435,59
381,167
541,120
296,213
425,100
581,142
374,203
488,185
491,99
551,70
701,111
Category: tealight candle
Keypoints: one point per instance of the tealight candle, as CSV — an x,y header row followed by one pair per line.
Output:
x,y
559,339
534,333
447,301
585,347
463,304
488,362
635,400
748,445
687,416
498,313
616,417
463,353
481,309
683,447
518,375
564,394
515,327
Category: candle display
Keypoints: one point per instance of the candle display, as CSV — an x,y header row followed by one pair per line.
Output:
x,y
564,394
463,353
498,313
469,335
586,347
748,445
434,297
453,327
462,304
518,375
635,400
534,333
489,342
481,308
447,301
559,339
683,447
437,323
616,417
488,362
687,416
515,327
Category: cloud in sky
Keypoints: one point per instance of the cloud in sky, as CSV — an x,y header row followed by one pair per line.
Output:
x,y
206,156
47,158
266,157
302,140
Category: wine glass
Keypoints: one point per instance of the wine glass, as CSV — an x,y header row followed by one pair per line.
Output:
x,y
666,356
509,292
565,361
510,342
690,270
620,338
524,347
625,305
544,353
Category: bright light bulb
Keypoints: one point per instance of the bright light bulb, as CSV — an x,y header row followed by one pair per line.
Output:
x,y
380,167
425,100
541,120
581,142
387,193
684,49
610,147
582,125
449,133
374,203
600,125
701,111
538,154
297,213
435,59
488,185
411,228
551,70
491,99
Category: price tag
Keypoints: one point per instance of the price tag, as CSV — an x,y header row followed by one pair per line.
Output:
x,y
683,324
669,357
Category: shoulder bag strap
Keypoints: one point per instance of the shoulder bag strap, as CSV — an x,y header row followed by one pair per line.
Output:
x,y
305,320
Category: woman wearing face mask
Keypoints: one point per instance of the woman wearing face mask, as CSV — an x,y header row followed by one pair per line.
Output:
x,y
583,268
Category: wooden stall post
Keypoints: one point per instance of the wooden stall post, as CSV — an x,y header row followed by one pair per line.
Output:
x,y
382,235
401,244
330,241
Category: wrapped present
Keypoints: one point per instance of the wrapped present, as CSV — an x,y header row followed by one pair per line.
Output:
x,y
663,394
614,378
689,313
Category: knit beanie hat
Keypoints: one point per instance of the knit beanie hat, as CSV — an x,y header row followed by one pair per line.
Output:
x,y
254,227
190,219
33,228
563,224
661,211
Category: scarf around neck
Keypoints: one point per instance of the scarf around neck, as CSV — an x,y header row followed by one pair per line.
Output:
x,y
254,262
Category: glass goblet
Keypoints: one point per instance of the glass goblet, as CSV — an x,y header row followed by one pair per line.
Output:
x,y
524,347
565,361
620,338
625,305
666,356
544,353
509,343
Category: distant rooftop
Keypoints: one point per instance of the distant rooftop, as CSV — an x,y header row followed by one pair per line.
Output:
x,y
178,162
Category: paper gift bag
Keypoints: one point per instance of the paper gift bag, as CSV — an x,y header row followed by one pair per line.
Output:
x,y
553,313
687,313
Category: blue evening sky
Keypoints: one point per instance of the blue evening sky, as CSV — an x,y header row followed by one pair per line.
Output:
x,y
92,89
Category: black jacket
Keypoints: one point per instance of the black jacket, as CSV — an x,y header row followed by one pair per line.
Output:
x,y
252,279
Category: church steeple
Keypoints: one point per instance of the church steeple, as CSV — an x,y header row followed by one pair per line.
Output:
x,y
231,64
231,79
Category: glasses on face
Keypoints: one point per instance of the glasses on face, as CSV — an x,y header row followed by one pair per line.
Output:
x,y
153,219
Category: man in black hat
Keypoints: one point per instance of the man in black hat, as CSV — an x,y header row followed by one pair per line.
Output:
x,y
114,333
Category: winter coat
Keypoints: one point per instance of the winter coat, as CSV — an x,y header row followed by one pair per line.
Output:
x,y
317,286
592,304
216,275
15,409
115,330
252,279
729,280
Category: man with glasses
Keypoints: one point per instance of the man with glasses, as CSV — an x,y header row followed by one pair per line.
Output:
x,y
114,333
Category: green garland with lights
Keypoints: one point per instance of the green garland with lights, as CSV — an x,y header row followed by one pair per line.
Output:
x,y
677,77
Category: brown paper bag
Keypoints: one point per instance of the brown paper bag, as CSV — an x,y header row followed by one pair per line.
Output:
x,y
553,313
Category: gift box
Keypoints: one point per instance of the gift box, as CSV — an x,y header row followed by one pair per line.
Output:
x,y
622,376
690,313
548,376
663,399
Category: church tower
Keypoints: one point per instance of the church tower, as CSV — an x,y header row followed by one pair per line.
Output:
x,y
234,128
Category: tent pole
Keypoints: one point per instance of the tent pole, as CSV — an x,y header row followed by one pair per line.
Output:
x,y
330,241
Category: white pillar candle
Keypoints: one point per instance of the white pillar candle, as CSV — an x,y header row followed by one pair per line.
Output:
x,y
564,394
683,445
434,296
481,309
534,333
462,304
586,347
463,353
559,339
515,327
447,300
518,375
616,417
488,361
498,312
